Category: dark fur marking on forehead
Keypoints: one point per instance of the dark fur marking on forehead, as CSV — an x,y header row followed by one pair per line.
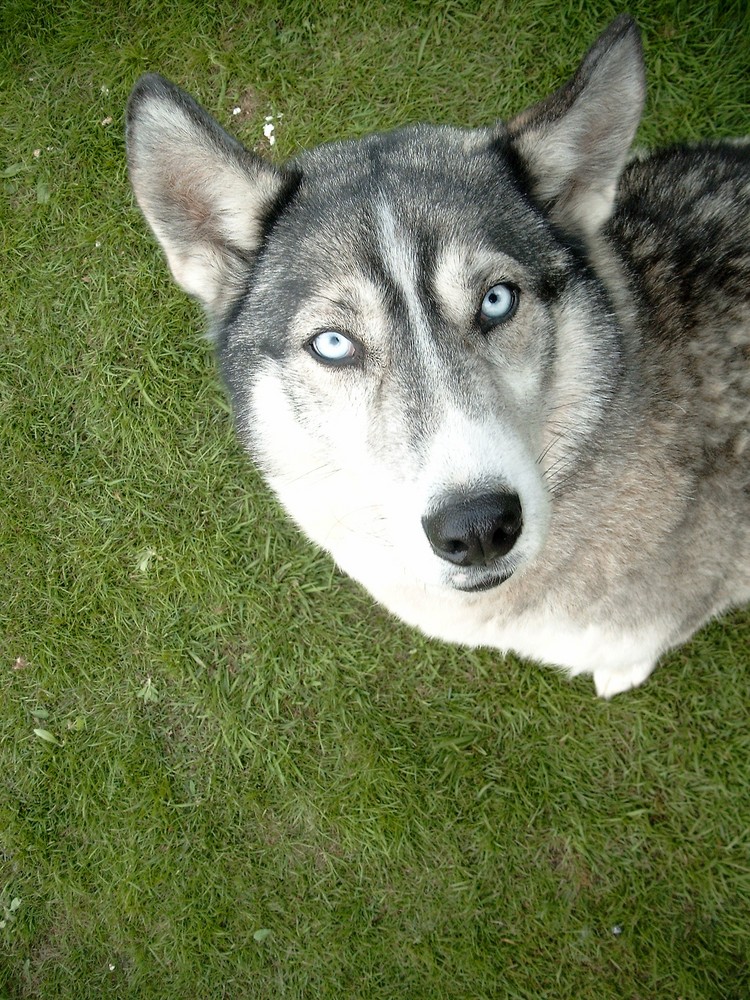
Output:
x,y
292,178
286,194
517,174
507,158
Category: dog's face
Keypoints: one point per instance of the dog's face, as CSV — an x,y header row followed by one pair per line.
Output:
x,y
412,341
391,361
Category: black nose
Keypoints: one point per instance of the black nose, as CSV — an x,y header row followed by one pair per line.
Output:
x,y
474,531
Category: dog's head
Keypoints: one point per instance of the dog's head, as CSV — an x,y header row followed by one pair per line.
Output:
x,y
414,339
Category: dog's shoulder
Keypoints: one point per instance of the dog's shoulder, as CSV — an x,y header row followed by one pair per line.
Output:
x,y
682,228
682,223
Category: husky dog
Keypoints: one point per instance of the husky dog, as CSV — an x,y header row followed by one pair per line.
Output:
x,y
501,374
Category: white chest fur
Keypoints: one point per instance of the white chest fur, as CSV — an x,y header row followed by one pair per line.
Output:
x,y
617,659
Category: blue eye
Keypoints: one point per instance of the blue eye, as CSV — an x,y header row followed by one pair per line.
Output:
x,y
332,346
499,303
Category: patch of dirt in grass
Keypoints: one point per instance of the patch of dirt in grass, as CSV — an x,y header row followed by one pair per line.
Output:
x,y
250,102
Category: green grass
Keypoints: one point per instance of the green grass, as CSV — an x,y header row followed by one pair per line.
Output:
x,y
251,782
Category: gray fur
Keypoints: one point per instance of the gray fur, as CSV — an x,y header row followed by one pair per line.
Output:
x,y
612,401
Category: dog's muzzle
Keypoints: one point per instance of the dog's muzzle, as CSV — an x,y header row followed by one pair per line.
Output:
x,y
475,532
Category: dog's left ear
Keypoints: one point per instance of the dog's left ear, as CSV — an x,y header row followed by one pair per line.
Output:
x,y
573,145
203,194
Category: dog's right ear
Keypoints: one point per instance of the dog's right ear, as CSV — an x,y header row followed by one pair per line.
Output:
x,y
574,143
203,194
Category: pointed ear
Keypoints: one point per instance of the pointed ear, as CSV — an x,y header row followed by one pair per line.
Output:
x,y
203,194
574,144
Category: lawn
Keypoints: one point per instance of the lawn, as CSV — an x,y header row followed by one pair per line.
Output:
x,y
223,771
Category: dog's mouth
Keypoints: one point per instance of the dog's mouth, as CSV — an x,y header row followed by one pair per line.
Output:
x,y
480,582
